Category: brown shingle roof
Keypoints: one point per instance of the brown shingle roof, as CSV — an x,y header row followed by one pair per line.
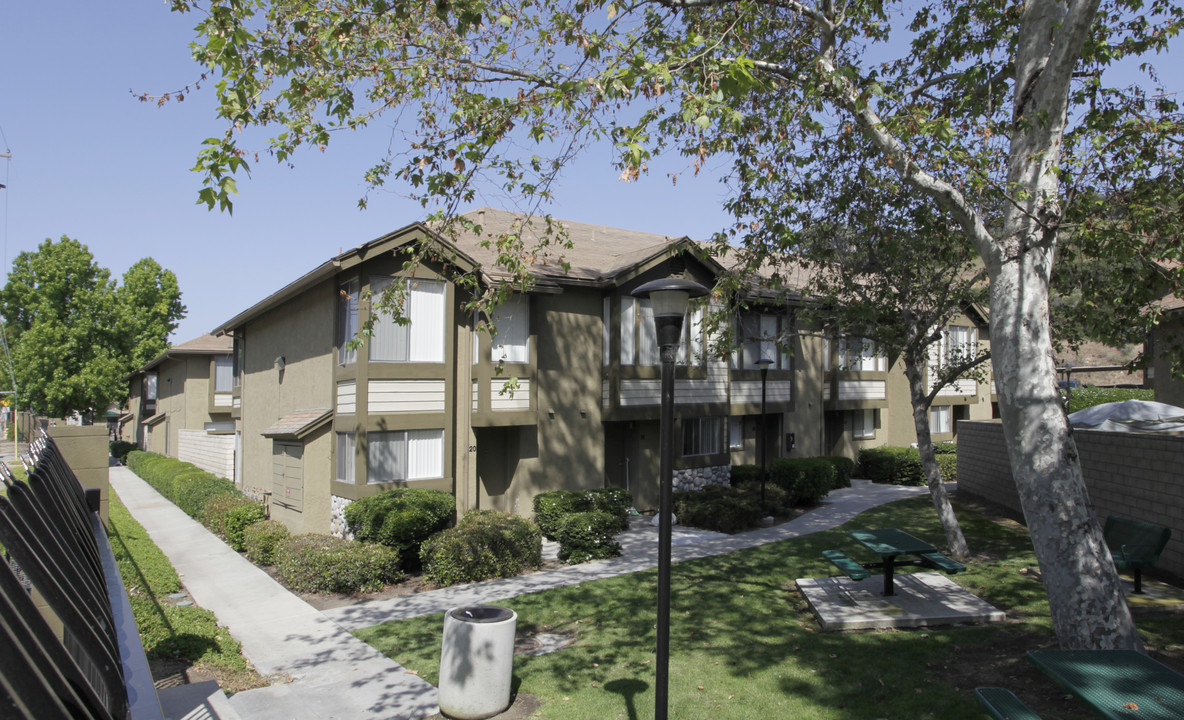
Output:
x,y
299,423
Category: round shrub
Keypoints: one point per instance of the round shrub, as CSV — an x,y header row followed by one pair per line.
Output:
x,y
585,536
213,515
742,474
401,519
807,480
550,508
120,450
327,564
895,465
720,507
238,520
485,544
192,488
261,540
777,500
844,469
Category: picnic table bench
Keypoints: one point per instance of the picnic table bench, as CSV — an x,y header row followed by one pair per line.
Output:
x,y
890,544
1002,704
1116,684
1135,545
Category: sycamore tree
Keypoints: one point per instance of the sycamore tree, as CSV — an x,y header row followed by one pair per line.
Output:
x,y
996,113
74,333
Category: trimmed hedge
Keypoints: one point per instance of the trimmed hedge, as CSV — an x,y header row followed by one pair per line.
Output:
x,y
485,544
742,474
327,564
261,540
401,519
844,469
807,480
720,507
585,536
550,508
902,466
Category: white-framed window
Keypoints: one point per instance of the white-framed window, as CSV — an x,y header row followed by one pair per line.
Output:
x,y
149,389
826,354
940,419
346,446
702,436
863,424
347,321
639,334
421,338
398,455
511,321
857,354
958,343
758,336
735,433
223,373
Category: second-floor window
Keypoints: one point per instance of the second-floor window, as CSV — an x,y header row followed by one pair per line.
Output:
x,y
347,322
223,373
639,335
511,321
758,336
858,354
958,343
240,359
421,338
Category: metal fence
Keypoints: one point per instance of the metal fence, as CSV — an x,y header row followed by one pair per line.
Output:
x,y
77,655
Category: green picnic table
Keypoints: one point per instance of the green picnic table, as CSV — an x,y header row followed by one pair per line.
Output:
x,y
1116,684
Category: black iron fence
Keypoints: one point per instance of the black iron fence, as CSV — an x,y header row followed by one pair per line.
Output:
x,y
77,654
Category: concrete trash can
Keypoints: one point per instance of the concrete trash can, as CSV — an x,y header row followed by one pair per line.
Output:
x,y
477,661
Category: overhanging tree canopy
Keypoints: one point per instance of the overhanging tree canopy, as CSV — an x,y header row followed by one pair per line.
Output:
x,y
996,114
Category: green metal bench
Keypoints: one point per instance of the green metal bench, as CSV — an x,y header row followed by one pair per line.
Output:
x,y
943,563
1002,704
853,569
1135,545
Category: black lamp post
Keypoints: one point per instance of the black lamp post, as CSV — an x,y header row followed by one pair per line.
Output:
x,y
668,298
763,440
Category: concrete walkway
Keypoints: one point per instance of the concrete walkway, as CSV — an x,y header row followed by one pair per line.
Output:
x,y
335,676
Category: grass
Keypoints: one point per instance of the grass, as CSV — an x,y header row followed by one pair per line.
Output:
x,y
1084,397
182,635
744,644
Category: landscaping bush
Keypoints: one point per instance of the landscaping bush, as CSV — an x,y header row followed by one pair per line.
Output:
x,y
120,449
192,489
238,519
742,474
777,500
401,519
719,507
894,465
585,536
550,508
261,540
844,469
949,467
485,544
807,480
213,515
327,564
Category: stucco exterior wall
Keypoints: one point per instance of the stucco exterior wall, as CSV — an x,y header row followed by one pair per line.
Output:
x,y
1169,337
300,331
85,450
212,453
1134,475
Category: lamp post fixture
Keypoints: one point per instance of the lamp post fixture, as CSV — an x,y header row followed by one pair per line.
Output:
x,y
763,440
668,298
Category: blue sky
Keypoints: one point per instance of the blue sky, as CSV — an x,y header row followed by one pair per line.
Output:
x,y
92,162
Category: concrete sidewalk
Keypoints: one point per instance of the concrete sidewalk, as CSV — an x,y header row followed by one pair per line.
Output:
x,y
335,676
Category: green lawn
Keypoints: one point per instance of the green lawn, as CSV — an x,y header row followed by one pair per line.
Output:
x,y
744,645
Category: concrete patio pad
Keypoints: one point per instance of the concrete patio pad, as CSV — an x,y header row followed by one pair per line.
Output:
x,y
922,599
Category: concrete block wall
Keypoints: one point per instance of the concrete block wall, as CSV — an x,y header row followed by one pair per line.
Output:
x,y
212,453
86,449
1135,475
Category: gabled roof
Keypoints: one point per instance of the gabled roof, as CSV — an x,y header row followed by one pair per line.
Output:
x,y
600,256
202,345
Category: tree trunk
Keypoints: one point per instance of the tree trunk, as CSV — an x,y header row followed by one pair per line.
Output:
x,y
937,490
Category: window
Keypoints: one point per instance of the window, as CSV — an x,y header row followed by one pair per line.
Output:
x,y
395,456
149,390
758,336
702,436
223,374
421,337
863,424
606,317
939,419
511,320
858,354
735,433
240,358
958,343
347,322
346,446
639,334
